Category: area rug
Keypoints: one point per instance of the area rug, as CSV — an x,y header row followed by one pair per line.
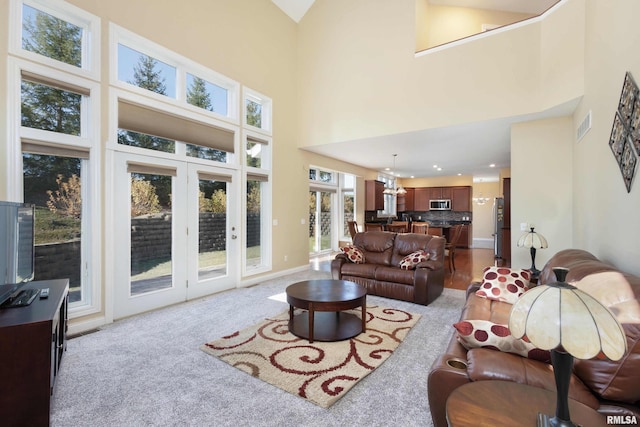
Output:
x,y
321,372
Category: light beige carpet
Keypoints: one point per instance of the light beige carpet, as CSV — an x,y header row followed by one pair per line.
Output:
x,y
321,372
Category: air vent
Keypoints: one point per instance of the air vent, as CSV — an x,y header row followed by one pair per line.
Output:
x,y
584,127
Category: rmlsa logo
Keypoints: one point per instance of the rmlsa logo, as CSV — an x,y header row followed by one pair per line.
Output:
x,y
622,419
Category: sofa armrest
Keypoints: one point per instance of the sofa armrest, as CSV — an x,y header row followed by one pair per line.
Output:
x,y
487,364
447,373
336,266
472,288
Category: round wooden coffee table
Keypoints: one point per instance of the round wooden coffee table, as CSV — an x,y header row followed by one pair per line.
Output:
x,y
505,403
325,300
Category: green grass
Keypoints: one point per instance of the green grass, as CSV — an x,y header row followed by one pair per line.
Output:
x,y
216,258
52,227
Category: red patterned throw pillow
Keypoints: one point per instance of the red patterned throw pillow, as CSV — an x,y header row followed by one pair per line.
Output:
x,y
486,334
410,261
353,253
504,284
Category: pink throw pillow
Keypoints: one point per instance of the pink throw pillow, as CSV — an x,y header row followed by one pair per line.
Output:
x,y
504,284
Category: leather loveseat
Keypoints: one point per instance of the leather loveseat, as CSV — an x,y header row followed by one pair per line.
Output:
x,y
611,388
380,273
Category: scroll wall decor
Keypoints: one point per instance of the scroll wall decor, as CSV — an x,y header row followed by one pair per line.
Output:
x,y
625,132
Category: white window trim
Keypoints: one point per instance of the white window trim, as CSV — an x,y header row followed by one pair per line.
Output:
x,y
90,36
183,65
267,110
89,139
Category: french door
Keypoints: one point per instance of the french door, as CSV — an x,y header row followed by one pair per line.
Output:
x,y
174,234
321,220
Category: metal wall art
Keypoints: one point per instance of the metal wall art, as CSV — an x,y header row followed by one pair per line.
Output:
x,y
625,132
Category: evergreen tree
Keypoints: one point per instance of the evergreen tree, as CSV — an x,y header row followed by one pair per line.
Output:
x,y
46,107
146,76
197,94
53,38
254,114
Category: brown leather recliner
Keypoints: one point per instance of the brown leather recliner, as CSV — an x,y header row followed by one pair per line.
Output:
x,y
610,387
381,275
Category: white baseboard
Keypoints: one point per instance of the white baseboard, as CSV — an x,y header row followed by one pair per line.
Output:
x,y
80,326
483,243
250,281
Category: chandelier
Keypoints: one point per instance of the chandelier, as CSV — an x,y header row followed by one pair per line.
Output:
x,y
394,191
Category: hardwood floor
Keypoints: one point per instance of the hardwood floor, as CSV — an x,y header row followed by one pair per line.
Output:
x,y
469,266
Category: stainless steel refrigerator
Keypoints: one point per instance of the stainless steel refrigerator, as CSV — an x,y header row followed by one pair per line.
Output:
x,y
498,224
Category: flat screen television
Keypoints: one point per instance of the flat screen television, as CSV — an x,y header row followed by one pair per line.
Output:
x,y
17,247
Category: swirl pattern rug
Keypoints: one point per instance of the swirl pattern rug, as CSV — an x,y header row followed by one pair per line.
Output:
x,y
321,372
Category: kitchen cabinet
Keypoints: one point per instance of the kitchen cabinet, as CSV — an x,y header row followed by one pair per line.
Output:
x,y
374,196
461,199
438,193
435,231
421,199
406,201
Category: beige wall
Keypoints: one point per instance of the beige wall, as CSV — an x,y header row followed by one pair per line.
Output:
x,y
483,225
439,24
374,84
542,186
605,219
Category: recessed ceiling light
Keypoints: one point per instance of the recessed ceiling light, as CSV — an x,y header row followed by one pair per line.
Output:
x,y
459,174
387,169
435,166
412,176
439,169
492,165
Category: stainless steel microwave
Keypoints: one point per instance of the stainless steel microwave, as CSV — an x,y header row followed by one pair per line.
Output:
x,y
440,205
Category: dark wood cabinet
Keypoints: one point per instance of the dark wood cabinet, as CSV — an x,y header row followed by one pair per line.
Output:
x,y
374,195
405,202
438,193
461,199
435,231
421,199
32,342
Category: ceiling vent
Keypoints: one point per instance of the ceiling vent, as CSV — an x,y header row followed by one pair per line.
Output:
x,y
584,127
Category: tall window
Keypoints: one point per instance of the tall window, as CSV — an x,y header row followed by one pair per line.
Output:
x,y
348,184
59,126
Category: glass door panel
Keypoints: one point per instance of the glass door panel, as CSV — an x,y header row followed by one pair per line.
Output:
x,y
214,239
325,221
151,233
313,224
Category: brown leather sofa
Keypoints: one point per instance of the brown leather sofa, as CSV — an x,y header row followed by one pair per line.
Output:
x,y
381,275
612,388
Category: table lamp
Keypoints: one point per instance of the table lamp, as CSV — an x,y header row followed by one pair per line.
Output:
x,y
534,241
571,323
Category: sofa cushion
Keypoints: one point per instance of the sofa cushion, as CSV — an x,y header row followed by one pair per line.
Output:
x,y
354,254
486,334
377,246
366,270
410,261
504,284
395,275
408,243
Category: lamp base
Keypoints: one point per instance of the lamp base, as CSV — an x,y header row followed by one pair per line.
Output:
x,y
545,420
